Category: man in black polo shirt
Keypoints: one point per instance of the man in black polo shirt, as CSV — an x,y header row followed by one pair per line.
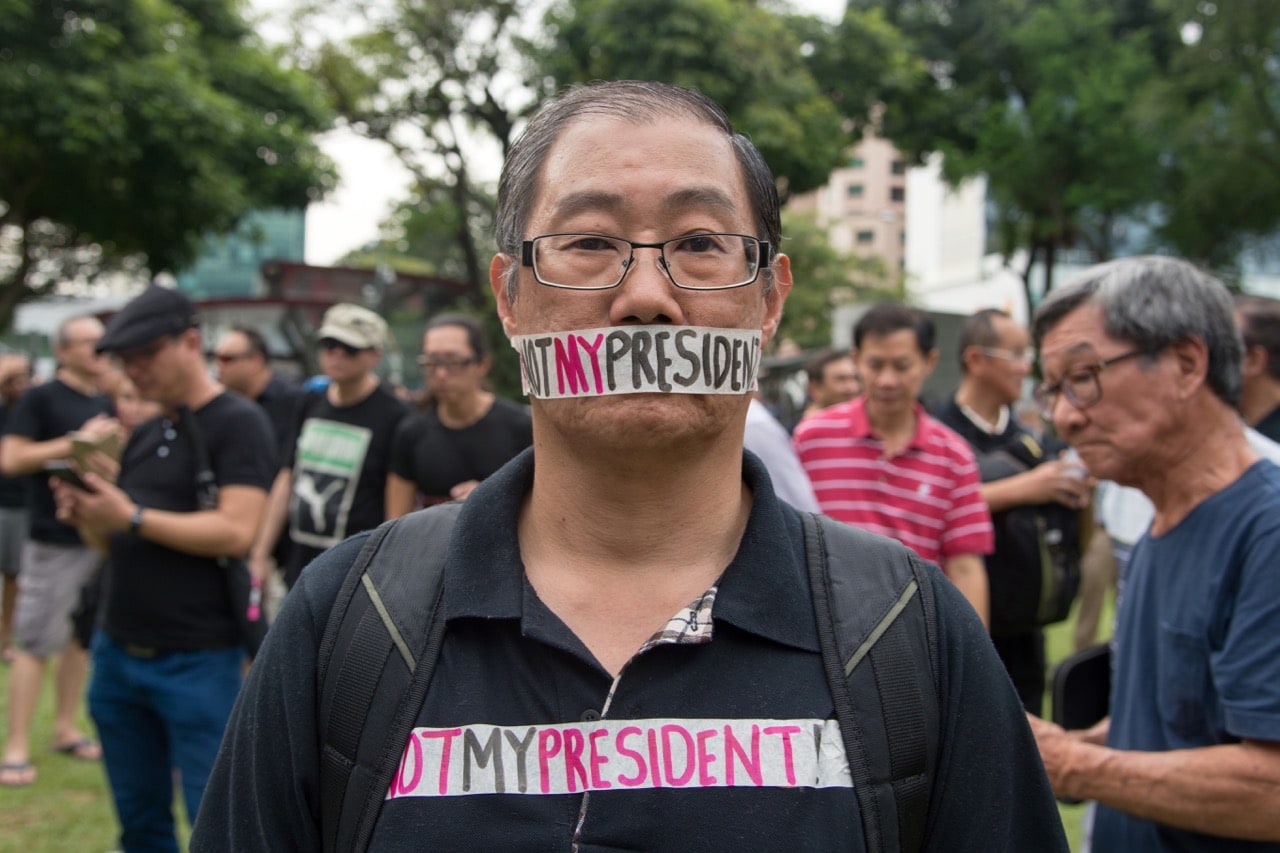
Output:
x,y
167,663
629,636
1035,497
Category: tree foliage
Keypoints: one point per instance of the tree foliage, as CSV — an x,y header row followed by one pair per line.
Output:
x,y
1217,114
1038,96
824,278
134,127
745,57
440,82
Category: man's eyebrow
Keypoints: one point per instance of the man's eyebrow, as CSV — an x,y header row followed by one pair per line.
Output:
x,y
586,202
697,197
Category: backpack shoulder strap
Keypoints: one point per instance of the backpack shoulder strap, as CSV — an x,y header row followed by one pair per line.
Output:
x,y
877,624
375,662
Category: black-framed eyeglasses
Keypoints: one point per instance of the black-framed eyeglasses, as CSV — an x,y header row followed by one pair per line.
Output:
x,y
331,344
601,262
448,365
230,357
1080,385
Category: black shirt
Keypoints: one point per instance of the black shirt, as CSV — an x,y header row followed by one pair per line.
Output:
x,y
507,660
340,457
159,597
436,457
46,411
1270,425
280,400
15,492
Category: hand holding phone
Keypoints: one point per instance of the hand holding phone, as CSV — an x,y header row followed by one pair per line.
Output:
x,y
68,474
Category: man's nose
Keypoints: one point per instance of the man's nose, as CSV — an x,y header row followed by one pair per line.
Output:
x,y
647,294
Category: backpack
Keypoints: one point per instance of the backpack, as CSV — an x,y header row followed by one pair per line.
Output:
x,y
1034,572
876,622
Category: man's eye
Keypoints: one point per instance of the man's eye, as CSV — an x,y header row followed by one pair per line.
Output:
x,y
700,243
591,244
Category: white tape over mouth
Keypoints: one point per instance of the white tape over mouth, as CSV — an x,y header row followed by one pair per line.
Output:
x,y
639,360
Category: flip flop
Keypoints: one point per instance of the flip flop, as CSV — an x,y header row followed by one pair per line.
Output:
x,y
85,749
18,774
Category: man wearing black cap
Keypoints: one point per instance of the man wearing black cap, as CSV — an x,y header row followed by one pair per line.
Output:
x,y
167,663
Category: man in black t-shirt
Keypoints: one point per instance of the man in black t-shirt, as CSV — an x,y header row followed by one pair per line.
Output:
x,y
1020,478
465,433
333,476
169,657
1259,320
55,563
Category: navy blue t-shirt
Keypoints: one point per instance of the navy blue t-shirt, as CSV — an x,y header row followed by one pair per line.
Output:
x,y
1197,647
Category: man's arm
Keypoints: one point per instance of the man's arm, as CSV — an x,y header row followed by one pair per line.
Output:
x,y
272,526
1229,790
1053,481
20,454
969,575
226,531
400,495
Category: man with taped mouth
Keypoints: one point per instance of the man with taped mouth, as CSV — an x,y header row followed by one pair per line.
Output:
x,y
623,640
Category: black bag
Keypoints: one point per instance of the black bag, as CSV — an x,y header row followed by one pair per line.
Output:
x,y
1034,573
1082,687
244,594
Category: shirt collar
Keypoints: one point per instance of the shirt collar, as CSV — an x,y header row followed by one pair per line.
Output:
x,y
860,424
764,590
1001,423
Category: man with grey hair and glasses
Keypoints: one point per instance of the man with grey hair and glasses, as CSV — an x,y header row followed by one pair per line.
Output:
x,y
627,646
1141,362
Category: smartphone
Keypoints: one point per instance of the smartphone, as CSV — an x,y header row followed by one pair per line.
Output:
x,y
63,471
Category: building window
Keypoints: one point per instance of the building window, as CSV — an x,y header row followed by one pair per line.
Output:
x,y
855,190
865,237
856,163
899,167
897,194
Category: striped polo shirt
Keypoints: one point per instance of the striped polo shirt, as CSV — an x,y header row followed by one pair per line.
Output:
x,y
926,495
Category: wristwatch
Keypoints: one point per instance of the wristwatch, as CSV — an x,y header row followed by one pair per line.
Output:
x,y
135,521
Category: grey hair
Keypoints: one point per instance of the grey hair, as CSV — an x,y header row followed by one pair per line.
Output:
x,y
1153,302
638,102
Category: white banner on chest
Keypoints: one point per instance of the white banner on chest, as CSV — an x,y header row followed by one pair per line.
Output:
x,y
619,755
639,360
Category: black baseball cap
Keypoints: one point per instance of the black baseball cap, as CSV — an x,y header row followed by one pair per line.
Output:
x,y
157,312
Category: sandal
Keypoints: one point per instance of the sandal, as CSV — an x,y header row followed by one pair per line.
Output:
x,y
18,774
85,749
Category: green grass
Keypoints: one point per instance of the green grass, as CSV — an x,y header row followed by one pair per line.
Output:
x,y
69,806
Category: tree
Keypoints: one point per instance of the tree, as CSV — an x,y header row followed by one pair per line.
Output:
x,y
1218,115
1038,96
135,128
743,56
439,81
825,278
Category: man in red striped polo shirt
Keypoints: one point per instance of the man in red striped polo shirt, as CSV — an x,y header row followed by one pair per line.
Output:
x,y
881,463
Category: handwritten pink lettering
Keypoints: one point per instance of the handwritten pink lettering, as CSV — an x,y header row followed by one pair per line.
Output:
x,y
785,732
446,737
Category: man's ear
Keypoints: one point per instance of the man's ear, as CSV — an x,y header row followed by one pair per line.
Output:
x,y
499,269
781,272
930,361
1191,356
1254,363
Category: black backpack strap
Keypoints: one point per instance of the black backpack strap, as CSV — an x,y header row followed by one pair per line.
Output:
x,y
877,624
375,662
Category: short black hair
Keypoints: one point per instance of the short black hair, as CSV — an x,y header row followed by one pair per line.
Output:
x,y
1260,326
885,318
979,330
816,366
257,343
476,338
